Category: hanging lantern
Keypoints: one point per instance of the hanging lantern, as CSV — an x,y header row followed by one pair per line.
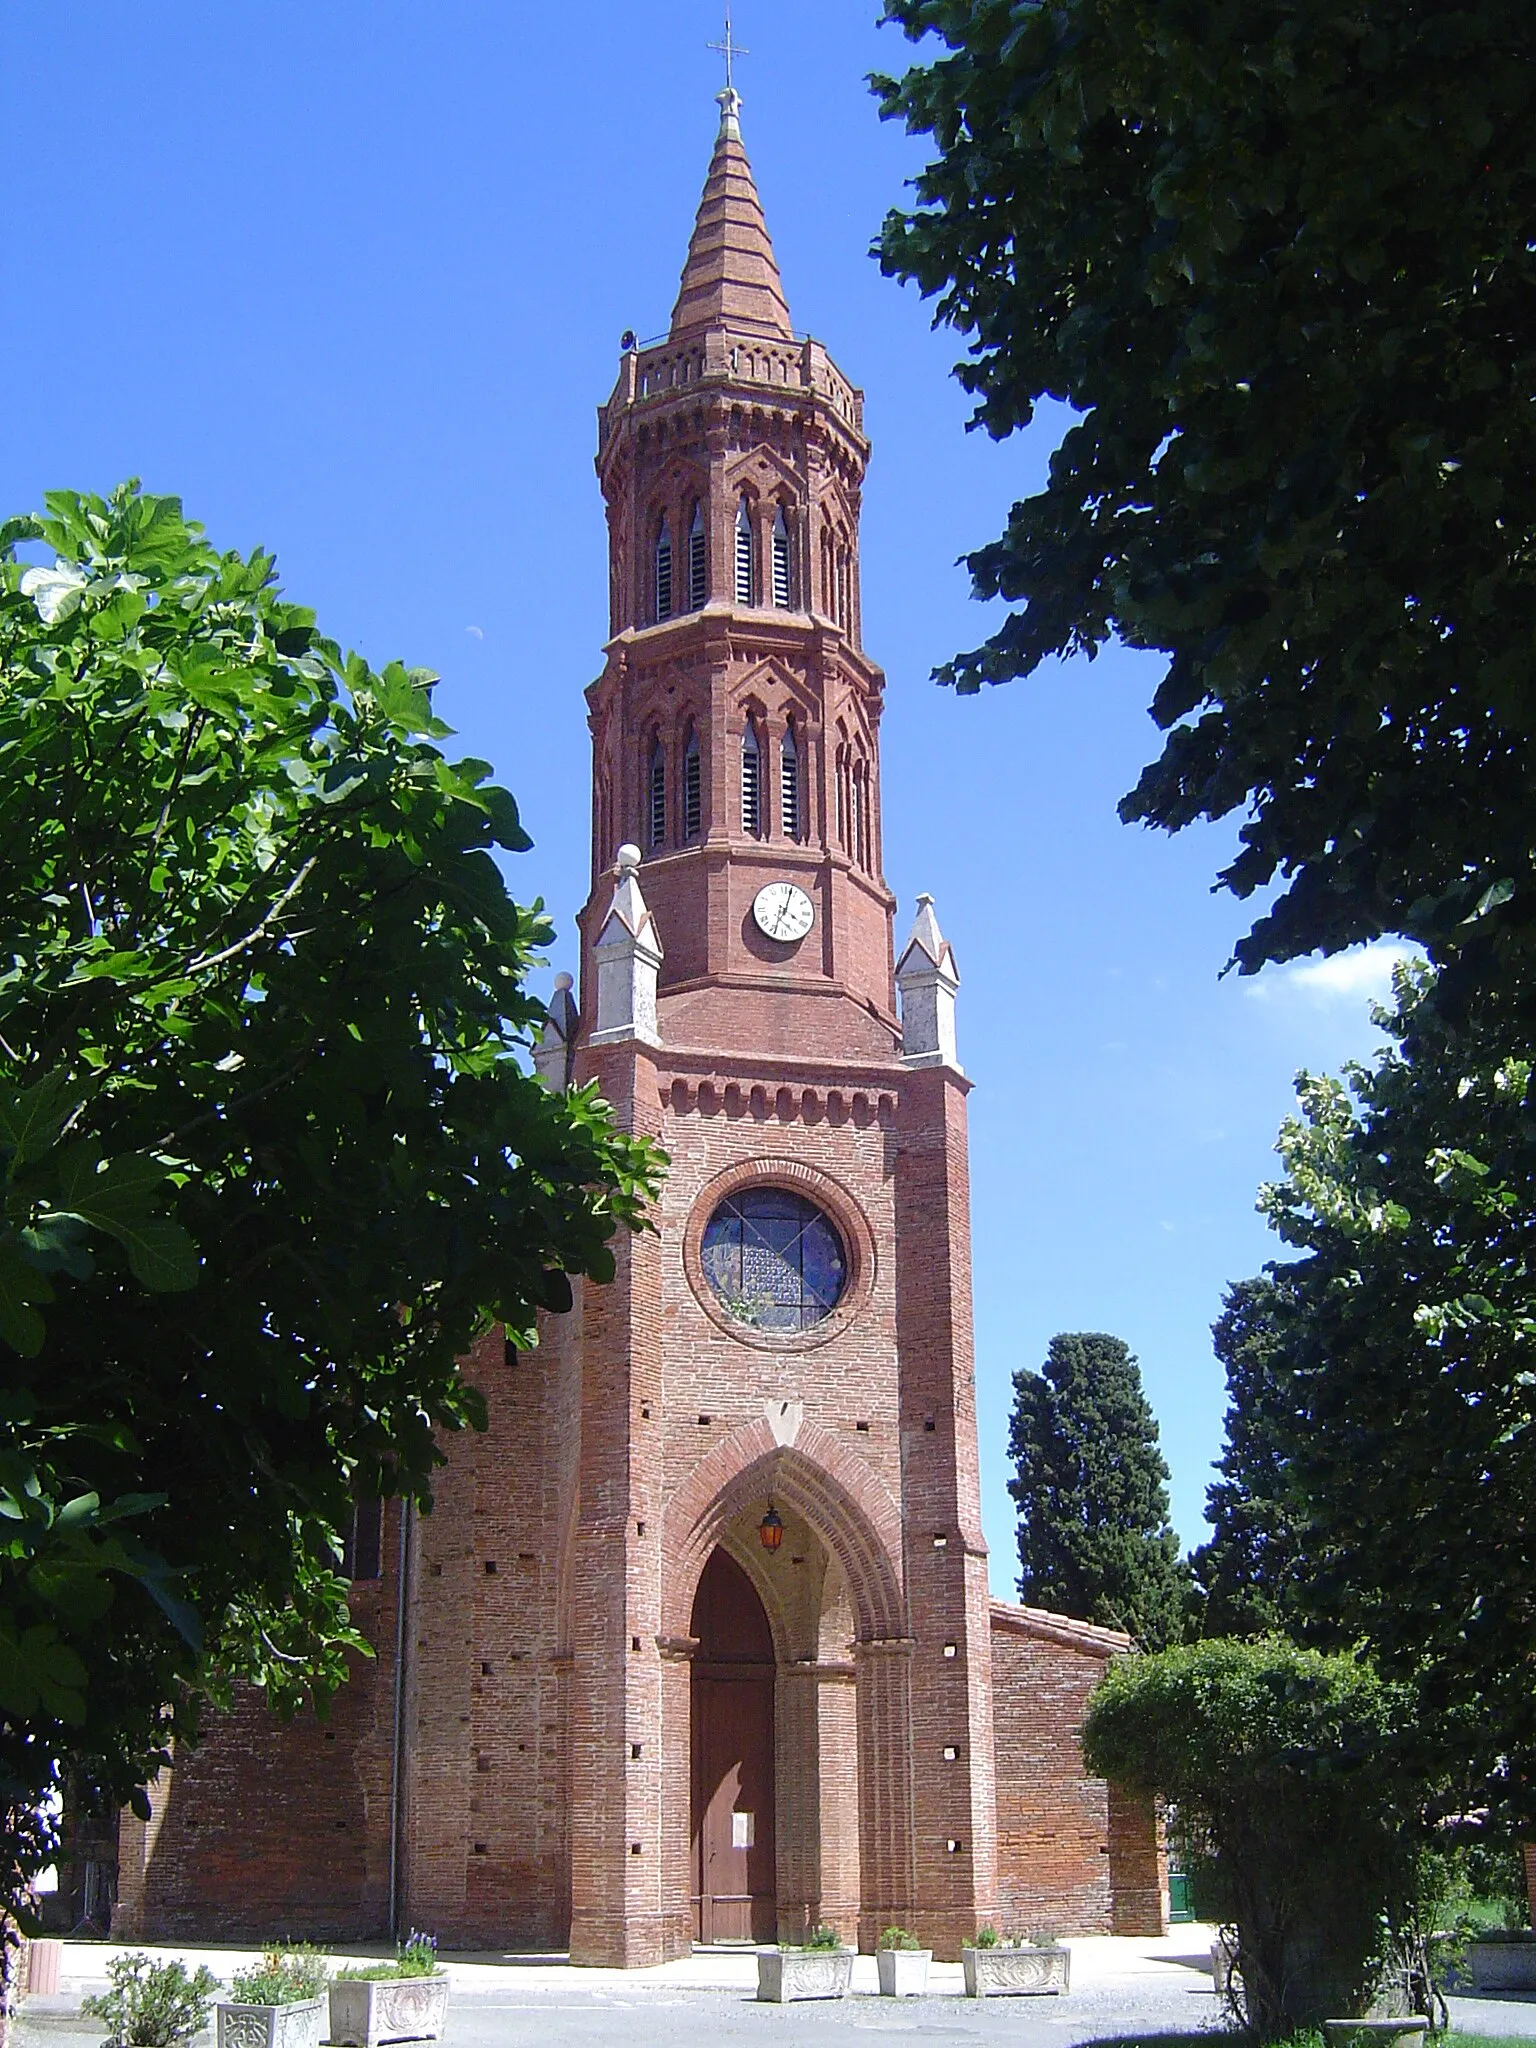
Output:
x,y
771,1530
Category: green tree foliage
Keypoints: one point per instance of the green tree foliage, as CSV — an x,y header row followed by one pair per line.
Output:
x,y
269,1155
1276,255
1408,1375
1250,1577
1283,1765
1091,1487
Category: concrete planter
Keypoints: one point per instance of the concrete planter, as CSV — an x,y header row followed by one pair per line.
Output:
x,y
784,1974
903,1971
1375,2033
299,2025
1494,1966
1015,1972
366,2011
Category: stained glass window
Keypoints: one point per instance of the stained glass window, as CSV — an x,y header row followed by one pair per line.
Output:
x,y
774,1260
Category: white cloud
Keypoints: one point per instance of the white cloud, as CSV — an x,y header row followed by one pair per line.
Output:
x,y
1362,974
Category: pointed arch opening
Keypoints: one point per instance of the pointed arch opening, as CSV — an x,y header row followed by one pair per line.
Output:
x,y
746,582
791,785
860,819
693,788
656,794
783,595
751,780
663,571
698,569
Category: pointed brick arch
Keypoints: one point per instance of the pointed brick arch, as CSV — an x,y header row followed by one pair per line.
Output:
x,y
826,1483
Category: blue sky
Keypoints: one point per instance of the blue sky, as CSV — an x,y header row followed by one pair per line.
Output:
x,y
349,277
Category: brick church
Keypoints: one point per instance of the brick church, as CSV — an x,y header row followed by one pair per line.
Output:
x,y
697,1644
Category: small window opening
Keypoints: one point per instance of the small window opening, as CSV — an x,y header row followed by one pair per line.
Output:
x,y
751,783
363,1550
789,786
657,783
697,579
781,595
857,833
693,790
664,572
745,593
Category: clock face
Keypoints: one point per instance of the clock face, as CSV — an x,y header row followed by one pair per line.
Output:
x,y
783,912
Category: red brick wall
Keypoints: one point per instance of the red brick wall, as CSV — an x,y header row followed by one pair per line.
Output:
x,y
267,1830
1075,1856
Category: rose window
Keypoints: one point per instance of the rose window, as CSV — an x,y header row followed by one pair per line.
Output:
x,y
773,1260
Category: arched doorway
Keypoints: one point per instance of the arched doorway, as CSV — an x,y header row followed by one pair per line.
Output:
x,y
734,1858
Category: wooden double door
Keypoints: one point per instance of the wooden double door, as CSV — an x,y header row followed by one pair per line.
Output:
x,y
735,1878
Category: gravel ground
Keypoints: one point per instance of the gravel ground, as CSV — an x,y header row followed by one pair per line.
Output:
x,y
1120,1990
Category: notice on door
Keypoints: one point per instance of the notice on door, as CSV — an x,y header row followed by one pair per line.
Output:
x,y
743,1834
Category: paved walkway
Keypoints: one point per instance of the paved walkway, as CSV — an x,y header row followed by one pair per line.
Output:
x,y
1121,1989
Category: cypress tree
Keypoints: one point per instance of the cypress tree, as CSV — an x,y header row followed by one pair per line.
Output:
x,y
1249,1575
1091,1487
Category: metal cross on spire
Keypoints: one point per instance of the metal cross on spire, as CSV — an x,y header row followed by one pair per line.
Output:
x,y
729,50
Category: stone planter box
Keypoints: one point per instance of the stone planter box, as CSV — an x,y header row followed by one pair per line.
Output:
x,y
903,1971
299,2025
1494,1966
366,2011
1015,1972
1375,2033
784,1974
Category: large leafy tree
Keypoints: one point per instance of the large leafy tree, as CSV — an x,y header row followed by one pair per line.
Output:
x,y
1250,1577
1288,1772
1406,1376
1091,1488
1276,255
271,1156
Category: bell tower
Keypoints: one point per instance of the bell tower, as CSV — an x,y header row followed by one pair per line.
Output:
x,y
735,727
776,1634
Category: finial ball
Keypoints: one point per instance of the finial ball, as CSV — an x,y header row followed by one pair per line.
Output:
x,y
562,983
629,858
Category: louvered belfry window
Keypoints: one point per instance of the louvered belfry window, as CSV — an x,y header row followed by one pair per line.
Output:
x,y
751,783
698,581
789,786
664,572
860,846
657,784
781,596
745,593
693,807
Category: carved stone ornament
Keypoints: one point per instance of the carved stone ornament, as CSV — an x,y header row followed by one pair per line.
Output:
x,y
299,2025
784,1974
366,2011
1015,1972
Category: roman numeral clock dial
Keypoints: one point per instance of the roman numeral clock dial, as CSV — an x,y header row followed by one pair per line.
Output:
x,y
783,912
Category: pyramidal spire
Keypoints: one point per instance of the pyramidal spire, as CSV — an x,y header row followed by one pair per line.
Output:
x,y
730,278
